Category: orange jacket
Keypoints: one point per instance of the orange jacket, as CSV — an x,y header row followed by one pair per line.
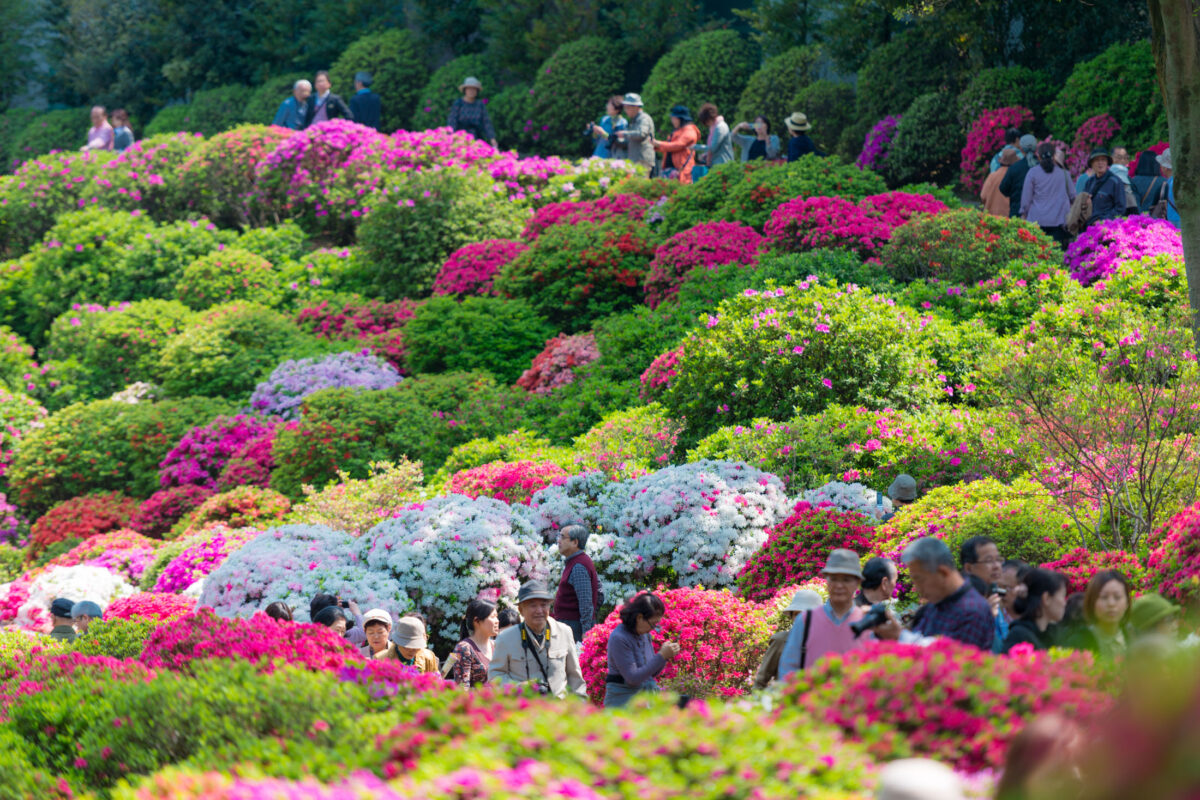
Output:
x,y
679,149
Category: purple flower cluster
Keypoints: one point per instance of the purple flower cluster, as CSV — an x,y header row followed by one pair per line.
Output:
x,y
203,452
282,393
13,527
878,142
201,558
1104,246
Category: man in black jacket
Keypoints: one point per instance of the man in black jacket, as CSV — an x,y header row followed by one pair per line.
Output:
x,y
365,105
325,105
1014,182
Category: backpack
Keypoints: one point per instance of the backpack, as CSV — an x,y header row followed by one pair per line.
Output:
x,y
1080,213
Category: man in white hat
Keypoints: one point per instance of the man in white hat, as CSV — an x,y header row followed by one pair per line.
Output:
x,y
827,629
639,135
540,650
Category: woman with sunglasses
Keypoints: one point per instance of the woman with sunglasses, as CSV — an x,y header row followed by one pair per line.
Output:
x,y
632,662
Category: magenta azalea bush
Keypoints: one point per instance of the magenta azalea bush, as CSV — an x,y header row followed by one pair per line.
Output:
x,y
200,559
1107,244
512,483
985,139
1081,564
203,452
555,366
1093,133
708,245
878,143
629,206
150,605
1174,566
159,512
808,223
470,269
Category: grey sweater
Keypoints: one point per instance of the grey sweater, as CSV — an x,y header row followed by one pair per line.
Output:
x,y
633,657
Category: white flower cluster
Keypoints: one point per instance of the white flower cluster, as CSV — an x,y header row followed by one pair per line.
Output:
x,y
74,583
851,497
576,501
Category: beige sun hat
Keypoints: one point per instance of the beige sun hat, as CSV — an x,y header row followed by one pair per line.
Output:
x,y
469,83
798,122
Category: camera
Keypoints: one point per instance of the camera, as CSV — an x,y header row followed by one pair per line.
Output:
x,y
543,687
876,616
344,603
996,588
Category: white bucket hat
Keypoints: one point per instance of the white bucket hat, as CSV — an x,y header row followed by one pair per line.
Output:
x,y
633,99
471,82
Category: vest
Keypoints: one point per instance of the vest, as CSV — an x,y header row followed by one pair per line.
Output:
x,y
566,603
826,637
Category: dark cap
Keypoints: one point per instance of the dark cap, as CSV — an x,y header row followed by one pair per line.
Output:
x,y
61,607
86,608
364,77
683,113
534,590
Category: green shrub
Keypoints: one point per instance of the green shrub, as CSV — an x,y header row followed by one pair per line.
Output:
x,y
710,67
900,71
772,89
12,122
1001,87
115,638
220,177
433,103
830,109
32,200
158,259
210,112
572,410
629,341
630,442
396,60
278,244
488,334
1121,81
241,507
65,129
16,360
511,111
265,98
927,145
519,445
1152,282
146,177
573,83
12,562
103,446
963,246
231,348
1005,303
228,275
574,274
425,216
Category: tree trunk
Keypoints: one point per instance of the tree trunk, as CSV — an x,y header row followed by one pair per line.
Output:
x,y
1176,26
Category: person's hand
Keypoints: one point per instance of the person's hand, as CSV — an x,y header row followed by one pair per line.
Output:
x,y
741,125
669,650
994,602
888,631
353,606
621,135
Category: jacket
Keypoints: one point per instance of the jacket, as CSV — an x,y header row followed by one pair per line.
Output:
x,y
828,635
994,202
1108,197
679,150
609,125
1025,631
366,108
63,633
1014,184
720,143
800,146
569,605
291,115
639,137
769,667
335,108
632,657
514,662
746,142
424,661
1047,196
472,118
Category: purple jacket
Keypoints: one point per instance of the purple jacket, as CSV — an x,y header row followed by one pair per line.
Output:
x,y
632,657
1047,196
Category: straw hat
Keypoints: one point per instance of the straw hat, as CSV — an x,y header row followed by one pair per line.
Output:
x,y
471,82
798,122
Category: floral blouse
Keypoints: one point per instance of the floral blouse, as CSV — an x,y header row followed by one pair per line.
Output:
x,y
471,668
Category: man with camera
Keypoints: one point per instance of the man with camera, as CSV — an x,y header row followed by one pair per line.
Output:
x,y
540,650
980,556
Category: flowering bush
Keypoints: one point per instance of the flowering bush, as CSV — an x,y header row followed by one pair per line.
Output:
x,y
123,552
1153,282
625,206
878,141
470,269
850,497
18,414
881,696
202,554
1081,564
285,389
1094,133
721,641
375,324
985,138
796,549
39,191
625,444
26,603
707,245
1005,302
354,506
203,452
1108,244
160,511
658,376
510,483
808,223
147,605
242,507
1174,566
555,366
146,176
230,274
14,528
81,518
219,176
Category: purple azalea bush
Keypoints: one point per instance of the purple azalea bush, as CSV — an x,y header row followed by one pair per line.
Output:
x,y
1104,246
878,142
282,393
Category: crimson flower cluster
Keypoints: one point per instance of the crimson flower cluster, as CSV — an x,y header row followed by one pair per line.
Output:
x,y
82,518
1175,564
810,223
376,324
512,483
707,245
631,206
555,366
470,269
985,139
1081,564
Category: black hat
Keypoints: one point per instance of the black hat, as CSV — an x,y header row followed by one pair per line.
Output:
x,y
682,112
364,77
1099,152
61,607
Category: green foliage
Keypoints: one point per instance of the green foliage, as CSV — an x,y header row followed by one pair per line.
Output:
x,y
396,60
511,111
65,129
103,446
115,638
210,112
1001,87
146,177
711,67
286,241
265,99
356,506
1122,82
227,275
12,122
927,143
433,103
16,360
12,562
425,216
576,408
519,445
30,204
156,260
830,109
782,26
900,71
488,334
629,341
1005,303
771,91
574,82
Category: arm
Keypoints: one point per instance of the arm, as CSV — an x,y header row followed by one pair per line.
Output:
x,y
281,115
621,659
1027,193
576,685
581,582
636,133
673,146
789,662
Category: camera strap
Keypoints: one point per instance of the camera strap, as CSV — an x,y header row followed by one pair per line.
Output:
x,y
529,648
804,640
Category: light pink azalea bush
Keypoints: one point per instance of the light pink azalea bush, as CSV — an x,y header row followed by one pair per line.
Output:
x,y
555,366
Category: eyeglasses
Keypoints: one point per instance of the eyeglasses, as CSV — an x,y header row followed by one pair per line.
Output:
x,y
995,560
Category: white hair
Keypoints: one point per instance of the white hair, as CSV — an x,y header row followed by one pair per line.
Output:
x,y
301,83
930,552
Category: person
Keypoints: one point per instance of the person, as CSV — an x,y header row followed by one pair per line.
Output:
x,y
1014,182
1120,165
100,135
578,598
539,650
377,626
879,581
354,618
979,556
1153,615
827,630
799,143
508,617
952,608
1105,612
84,613
409,645
294,112
1012,572
1036,759
761,144
684,136
1106,190
803,600
365,107
918,779
63,626
632,662
122,133
1047,196
719,148
1168,171
638,135
279,611
994,202
326,105
469,661
1149,184
1041,606
1011,138
603,132
334,618
902,491
469,114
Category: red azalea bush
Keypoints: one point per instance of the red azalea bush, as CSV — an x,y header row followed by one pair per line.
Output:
x,y
555,366
243,507
657,377
949,701
985,139
469,270
259,640
82,518
1174,566
721,640
160,511
374,323
219,177
511,482
708,245
151,605
630,206
1081,564
796,549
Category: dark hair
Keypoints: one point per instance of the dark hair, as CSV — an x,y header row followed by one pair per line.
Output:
x,y
321,72
280,611
476,610
1037,583
328,615
319,602
977,583
1011,136
508,617
875,570
707,113
766,122
1073,614
646,604
120,114
1147,166
1045,156
968,551
1096,585
1017,565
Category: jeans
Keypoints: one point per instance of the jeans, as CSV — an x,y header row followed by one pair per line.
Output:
x,y
617,695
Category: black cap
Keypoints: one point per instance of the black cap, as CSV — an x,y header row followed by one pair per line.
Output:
x,y
61,607
534,590
364,77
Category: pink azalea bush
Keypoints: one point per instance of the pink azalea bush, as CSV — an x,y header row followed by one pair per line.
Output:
x,y
150,605
629,206
201,558
470,269
809,223
708,245
897,208
1175,564
160,511
97,546
373,323
19,414
555,366
657,377
985,139
202,453
1106,245
629,443
1095,132
26,672
721,640
1081,564
511,482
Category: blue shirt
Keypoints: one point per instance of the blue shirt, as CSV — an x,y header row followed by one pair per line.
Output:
x,y
291,114
799,146
606,124
1172,209
789,661
1001,633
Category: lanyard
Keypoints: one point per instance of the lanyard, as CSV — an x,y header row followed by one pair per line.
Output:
x,y
525,645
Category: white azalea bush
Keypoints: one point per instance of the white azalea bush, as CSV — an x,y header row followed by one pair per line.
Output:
x,y
850,497
74,583
575,501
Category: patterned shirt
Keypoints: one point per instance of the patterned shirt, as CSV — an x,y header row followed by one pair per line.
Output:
x,y
472,118
581,582
964,616
471,668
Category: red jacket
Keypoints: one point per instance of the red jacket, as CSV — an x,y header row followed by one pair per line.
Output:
x,y
679,149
